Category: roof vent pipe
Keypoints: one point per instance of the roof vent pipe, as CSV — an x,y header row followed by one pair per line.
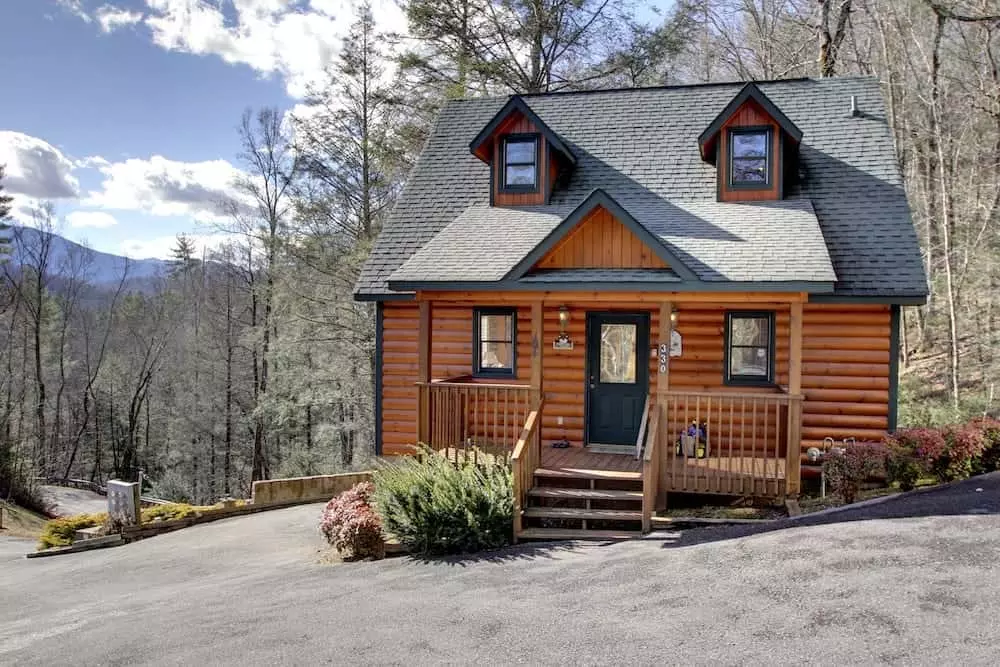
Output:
x,y
854,106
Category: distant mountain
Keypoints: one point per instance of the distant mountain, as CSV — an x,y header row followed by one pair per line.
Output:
x,y
102,269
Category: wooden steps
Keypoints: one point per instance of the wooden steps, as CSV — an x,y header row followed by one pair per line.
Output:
x,y
578,513
570,473
584,494
571,534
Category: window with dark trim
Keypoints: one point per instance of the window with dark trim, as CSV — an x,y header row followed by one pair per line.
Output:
x,y
519,163
494,340
750,158
749,354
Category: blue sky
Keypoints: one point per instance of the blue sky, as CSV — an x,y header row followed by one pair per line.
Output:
x,y
123,113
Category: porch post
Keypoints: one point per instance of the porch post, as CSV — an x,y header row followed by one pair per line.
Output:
x,y
537,348
424,374
793,460
663,376
662,387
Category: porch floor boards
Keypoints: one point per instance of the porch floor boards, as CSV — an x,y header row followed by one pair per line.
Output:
x,y
582,463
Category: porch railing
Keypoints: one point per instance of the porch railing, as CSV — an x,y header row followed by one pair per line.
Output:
x,y
738,444
461,415
525,460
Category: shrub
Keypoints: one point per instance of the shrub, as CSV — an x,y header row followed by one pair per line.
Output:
x,y
963,445
903,467
350,524
847,469
170,511
989,459
61,532
432,506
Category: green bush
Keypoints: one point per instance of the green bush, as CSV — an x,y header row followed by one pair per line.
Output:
x,y
435,507
61,532
903,467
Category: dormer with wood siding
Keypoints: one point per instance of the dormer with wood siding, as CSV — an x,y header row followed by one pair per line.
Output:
x,y
753,146
525,156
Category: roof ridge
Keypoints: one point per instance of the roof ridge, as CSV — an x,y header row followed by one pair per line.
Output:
x,y
673,86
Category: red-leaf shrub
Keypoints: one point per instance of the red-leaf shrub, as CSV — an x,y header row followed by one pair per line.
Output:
x,y
846,470
351,525
989,459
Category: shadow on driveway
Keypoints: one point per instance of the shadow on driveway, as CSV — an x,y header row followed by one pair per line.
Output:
x,y
976,496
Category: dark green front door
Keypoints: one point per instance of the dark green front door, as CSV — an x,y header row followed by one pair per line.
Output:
x,y
617,376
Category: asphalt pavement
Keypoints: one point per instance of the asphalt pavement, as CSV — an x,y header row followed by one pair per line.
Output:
x,y
912,581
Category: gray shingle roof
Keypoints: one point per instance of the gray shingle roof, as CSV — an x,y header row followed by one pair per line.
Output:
x,y
641,147
717,241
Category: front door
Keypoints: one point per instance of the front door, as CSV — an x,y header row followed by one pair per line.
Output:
x,y
617,376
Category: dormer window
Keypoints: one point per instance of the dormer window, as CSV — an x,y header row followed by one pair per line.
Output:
x,y
750,158
520,163
753,146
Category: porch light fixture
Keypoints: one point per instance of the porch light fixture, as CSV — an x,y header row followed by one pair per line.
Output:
x,y
563,318
673,314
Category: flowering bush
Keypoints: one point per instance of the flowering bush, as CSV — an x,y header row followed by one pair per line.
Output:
x,y
351,526
847,469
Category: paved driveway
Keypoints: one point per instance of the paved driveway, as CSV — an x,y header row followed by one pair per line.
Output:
x,y
64,501
911,581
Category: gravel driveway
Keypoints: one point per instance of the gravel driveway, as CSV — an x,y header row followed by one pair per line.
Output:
x,y
910,581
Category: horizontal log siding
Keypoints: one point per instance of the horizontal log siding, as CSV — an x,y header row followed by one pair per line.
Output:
x,y
399,376
845,362
845,372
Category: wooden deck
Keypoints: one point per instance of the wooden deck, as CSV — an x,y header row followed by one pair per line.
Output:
x,y
581,462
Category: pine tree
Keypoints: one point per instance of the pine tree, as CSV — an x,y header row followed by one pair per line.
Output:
x,y
183,253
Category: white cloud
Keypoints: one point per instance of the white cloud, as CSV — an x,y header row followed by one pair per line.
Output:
x,y
111,18
93,219
160,247
164,187
293,39
75,7
36,168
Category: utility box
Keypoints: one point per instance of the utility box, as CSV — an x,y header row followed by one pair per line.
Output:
x,y
123,503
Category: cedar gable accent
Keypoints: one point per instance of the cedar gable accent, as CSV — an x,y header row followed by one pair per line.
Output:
x,y
600,241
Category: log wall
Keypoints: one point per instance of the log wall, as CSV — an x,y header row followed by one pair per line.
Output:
x,y
845,361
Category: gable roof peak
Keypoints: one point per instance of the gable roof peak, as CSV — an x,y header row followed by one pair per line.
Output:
x,y
517,103
600,198
750,91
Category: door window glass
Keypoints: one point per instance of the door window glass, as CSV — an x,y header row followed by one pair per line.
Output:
x,y
618,347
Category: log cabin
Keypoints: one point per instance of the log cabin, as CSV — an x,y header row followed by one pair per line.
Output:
x,y
646,292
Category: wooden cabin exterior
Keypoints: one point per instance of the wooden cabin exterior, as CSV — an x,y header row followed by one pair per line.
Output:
x,y
564,303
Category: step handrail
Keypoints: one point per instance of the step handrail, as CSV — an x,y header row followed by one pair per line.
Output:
x,y
526,458
651,469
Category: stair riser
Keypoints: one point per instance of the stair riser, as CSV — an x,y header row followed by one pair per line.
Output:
x,y
579,483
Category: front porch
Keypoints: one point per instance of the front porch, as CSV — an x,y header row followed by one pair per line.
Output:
x,y
699,437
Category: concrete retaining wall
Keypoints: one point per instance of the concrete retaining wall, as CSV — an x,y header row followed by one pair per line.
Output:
x,y
305,489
